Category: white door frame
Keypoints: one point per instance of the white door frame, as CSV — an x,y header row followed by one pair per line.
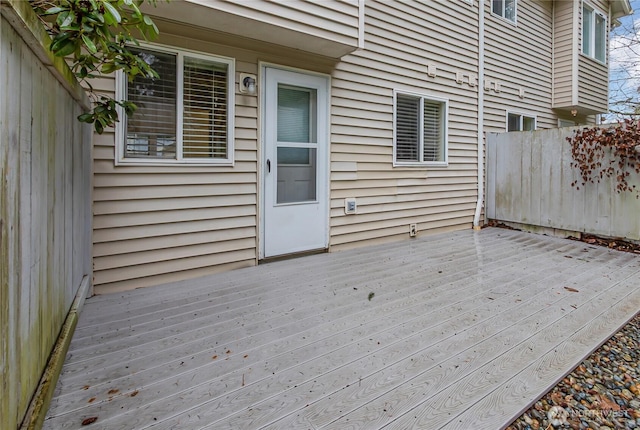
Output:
x,y
323,188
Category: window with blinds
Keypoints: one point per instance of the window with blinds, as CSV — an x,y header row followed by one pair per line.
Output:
x,y
151,131
420,130
185,114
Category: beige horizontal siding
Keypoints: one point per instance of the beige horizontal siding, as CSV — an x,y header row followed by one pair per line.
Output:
x,y
131,277
172,216
377,234
566,15
593,76
593,85
165,230
327,28
518,56
400,41
114,247
331,20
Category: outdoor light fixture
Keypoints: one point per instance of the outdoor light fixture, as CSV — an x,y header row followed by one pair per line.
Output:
x,y
574,112
247,83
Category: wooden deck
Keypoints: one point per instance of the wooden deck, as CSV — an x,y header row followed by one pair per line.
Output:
x,y
463,331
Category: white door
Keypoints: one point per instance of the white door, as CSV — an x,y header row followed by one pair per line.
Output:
x,y
296,145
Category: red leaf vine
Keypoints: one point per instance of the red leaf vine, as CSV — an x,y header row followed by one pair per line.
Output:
x,y
607,152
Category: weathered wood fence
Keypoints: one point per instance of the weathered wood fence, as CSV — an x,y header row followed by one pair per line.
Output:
x,y
45,205
529,178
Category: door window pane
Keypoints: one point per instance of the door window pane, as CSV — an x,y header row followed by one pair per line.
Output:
x,y
296,182
296,114
287,155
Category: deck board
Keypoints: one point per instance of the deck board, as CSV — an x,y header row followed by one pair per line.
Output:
x,y
465,330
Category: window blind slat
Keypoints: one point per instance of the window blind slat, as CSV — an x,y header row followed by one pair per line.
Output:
x,y
205,109
432,128
407,127
151,131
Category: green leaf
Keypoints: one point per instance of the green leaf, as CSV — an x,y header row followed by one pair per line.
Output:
x,y
108,68
61,17
154,32
135,8
54,10
68,19
63,47
97,17
98,127
89,44
86,117
112,12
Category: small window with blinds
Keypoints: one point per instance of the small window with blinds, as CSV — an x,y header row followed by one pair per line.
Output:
x,y
185,115
420,130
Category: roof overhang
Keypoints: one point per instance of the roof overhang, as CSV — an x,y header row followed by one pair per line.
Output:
x,y
620,8
260,27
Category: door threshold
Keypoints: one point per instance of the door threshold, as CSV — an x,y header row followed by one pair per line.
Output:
x,y
292,255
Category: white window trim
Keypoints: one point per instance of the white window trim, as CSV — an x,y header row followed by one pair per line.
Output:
x,y
522,115
179,160
592,54
445,131
502,17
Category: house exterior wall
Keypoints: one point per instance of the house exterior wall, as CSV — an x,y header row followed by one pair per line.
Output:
x,y
399,42
593,84
593,76
565,49
580,83
159,224
518,57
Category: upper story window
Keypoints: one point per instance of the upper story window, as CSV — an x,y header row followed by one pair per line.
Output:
x,y
505,9
420,130
184,116
520,122
594,33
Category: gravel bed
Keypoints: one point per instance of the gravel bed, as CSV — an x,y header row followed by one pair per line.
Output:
x,y
602,393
